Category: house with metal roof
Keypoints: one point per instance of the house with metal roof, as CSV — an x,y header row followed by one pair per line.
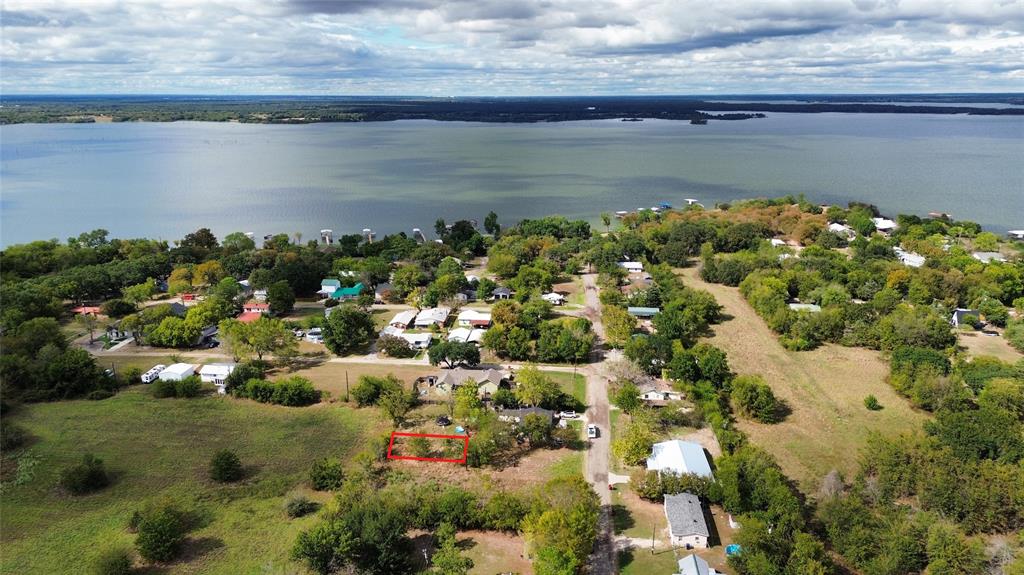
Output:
x,y
465,334
344,293
643,312
432,316
676,456
988,257
474,318
403,319
693,565
686,524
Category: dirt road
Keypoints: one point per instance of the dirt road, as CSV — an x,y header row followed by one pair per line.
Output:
x,y
603,560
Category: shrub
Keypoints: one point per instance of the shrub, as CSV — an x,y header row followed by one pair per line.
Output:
x,y
871,402
161,532
112,561
99,394
225,466
187,387
242,373
161,388
752,397
133,375
293,392
300,505
86,477
327,474
1014,334
11,436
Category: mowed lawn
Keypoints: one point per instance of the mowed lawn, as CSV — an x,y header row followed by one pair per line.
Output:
x,y
160,448
824,389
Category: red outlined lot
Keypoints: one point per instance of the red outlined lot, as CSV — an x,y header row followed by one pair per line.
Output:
x,y
463,438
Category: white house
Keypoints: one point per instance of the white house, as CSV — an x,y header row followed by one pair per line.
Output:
x,y
910,259
686,524
403,319
216,373
680,457
432,316
259,295
632,267
465,334
177,371
884,225
960,315
658,394
417,340
553,298
474,318
988,257
842,230
693,565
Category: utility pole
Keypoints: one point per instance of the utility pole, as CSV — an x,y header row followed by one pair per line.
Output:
x,y
347,396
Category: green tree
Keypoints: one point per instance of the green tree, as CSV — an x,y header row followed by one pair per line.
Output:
x,y
752,397
627,397
139,293
397,403
89,323
619,325
491,224
951,553
986,242
453,353
161,531
280,297
258,338
535,388
347,329
448,560
633,446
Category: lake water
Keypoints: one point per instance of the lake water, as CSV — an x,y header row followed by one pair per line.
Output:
x,y
166,179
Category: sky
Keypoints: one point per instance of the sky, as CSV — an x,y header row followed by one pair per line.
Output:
x,y
510,47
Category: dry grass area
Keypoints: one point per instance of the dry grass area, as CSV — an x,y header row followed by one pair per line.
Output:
x,y
977,344
494,552
824,389
530,470
331,377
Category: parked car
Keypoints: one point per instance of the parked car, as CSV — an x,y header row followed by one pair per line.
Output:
x,y
443,421
591,431
567,415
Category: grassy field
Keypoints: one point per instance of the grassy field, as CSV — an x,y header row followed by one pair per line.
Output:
x,y
160,448
643,562
824,389
577,388
331,377
977,345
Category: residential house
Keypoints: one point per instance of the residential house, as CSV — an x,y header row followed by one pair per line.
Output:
x,y
643,312
842,230
517,415
960,316
216,373
884,225
632,267
450,379
466,296
114,332
474,318
347,293
259,295
657,394
249,316
686,524
553,298
502,292
177,371
910,259
87,310
693,565
432,316
253,306
808,307
382,292
988,257
403,319
417,340
1016,234
328,287
680,457
465,334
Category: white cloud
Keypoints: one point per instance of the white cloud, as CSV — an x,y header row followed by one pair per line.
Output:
x,y
501,47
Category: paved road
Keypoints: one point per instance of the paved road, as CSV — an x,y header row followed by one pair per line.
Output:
x,y
603,560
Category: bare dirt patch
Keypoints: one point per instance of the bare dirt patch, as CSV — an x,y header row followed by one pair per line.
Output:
x,y
824,389
977,344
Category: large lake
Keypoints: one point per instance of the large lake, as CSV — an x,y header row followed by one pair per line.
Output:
x,y
164,180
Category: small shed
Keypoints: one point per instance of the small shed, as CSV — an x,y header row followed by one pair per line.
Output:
x,y
177,371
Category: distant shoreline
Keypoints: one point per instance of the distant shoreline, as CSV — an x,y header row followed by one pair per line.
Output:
x,y
301,110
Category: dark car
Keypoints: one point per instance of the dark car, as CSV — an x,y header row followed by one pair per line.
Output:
x,y
443,421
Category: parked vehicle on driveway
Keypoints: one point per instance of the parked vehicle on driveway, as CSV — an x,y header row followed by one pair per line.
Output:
x,y
567,415
591,431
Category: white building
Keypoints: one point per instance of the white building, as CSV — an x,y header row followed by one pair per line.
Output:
x,y
474,318
693,565
988,257
216,373
553,298
884,225
417,340
465,334
680,457
632,267
655,393
403,319
315,335
910,259
842,230
778,243
808,307
686,524
177,371
1016,234
432,316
